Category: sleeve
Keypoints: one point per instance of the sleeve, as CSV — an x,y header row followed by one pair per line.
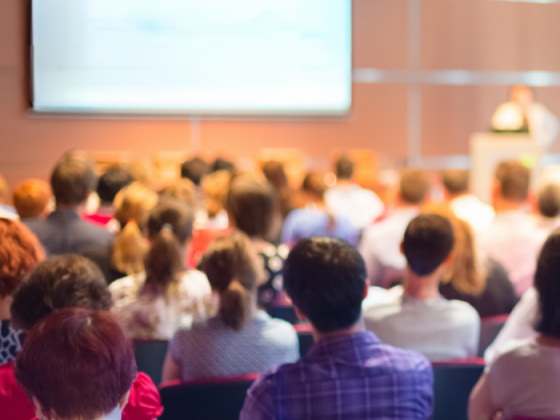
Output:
x,y
259,402
144,402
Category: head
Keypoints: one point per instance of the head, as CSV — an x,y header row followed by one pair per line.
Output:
x,y
215,189
182,189
195,169
31,198
344,168
251,207
549,200
111,182
221,164
326,280
275,174
232,267
76,364
455,182
314,186
72,180
547,284
414,186
62,281
134,202
427,244
522,95
512,182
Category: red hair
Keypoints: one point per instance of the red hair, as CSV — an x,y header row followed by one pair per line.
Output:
x,y
77,363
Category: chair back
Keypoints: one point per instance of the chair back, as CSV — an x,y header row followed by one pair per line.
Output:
x,y
453,383
150,355
285,312
490,327
305,338
208,399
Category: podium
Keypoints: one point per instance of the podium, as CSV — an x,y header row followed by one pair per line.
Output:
x,y
489,149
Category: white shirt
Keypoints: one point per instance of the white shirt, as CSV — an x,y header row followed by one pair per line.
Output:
x,y
440,329
380,247
359,205
474,211
515,242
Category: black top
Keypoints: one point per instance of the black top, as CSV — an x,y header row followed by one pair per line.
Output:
x,y
102,256
498,298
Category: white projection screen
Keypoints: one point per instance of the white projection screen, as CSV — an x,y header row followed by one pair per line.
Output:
x,y
217,57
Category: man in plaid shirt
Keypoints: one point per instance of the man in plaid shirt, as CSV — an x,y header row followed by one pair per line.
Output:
x,y
348,373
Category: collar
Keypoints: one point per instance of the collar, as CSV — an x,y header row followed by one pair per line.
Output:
x,y
343,345
65,215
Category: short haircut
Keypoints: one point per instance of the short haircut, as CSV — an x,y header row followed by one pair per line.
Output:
x,y
62,281
344,168
326,280
549,200
77,364
314,183
195,169
31,198
456,181
183,189
514,180
72,181
111,182
221,164
414,186
428,240
251,204
547,284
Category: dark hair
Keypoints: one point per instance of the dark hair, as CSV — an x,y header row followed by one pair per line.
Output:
x,y
456,181
514,179
344,168
414,185
428,240
547,284
231,265
314,183
221,164
58,282
77,364
111,182
252,206
326,279
195,169
549,200
72,180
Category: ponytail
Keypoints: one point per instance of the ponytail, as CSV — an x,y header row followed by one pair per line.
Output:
x,y
129,249
164,262
235,302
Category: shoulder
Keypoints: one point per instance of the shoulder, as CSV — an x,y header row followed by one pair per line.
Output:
x,y
194,279
385,310
126,284
462,307
94,230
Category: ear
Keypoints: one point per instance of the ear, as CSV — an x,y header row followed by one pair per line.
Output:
x,y
300,315
124,400
366,289
401,247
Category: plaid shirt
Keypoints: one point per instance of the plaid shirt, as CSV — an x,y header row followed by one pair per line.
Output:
x,y
347,377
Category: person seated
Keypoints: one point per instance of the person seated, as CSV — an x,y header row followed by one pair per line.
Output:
x,y
512,239
275,174
155,303
77,364
20,251
421,319
463,203
6,211
241,339
222,164
110,183
362,207
66,281
349,373
548,207
380,244
183,189
314,219
195,169
63,231
522,380
32,199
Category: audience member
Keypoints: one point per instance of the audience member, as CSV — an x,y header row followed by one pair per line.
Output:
x,y
314,219
20,251
195,169
513,239
522,382
63,231
241,339
32,199
183,189
348,373
155,303
221,164
463,203
380,244
421,319
275,174
548,207
7,212
362,207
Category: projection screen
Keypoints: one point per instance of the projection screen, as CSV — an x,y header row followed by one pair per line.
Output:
x,y
217,57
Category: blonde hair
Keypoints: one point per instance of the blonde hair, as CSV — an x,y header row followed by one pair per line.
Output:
x,y
215,188
182,189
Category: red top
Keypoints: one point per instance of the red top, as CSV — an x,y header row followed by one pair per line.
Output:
x,y
98,219
144,402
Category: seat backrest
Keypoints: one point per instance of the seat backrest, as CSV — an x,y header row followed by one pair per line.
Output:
x,y
490,327
212,399
150,355
305,338
285,312
453,383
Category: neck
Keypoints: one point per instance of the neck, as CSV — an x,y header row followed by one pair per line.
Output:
x,y
451,197
404,205
356,328
502,205
344,182
76,209
5,303
422,287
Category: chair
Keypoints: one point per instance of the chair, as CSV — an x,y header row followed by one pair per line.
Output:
x,y
208,399
490,327
453,383
150,355
285,312
305,338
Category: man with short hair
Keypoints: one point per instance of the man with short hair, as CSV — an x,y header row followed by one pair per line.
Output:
x,y
380,244
421,319
195,169
348,373
63,231
464,204
548,204
513,239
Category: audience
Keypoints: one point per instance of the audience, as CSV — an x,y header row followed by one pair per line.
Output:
x,y
513,239
421,319
32,199
548,205
380,244
241,339
195,170
155,303
183,189
349,372
522,381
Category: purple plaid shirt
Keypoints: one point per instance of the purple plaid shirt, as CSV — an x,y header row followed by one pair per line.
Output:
x,y
347,377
